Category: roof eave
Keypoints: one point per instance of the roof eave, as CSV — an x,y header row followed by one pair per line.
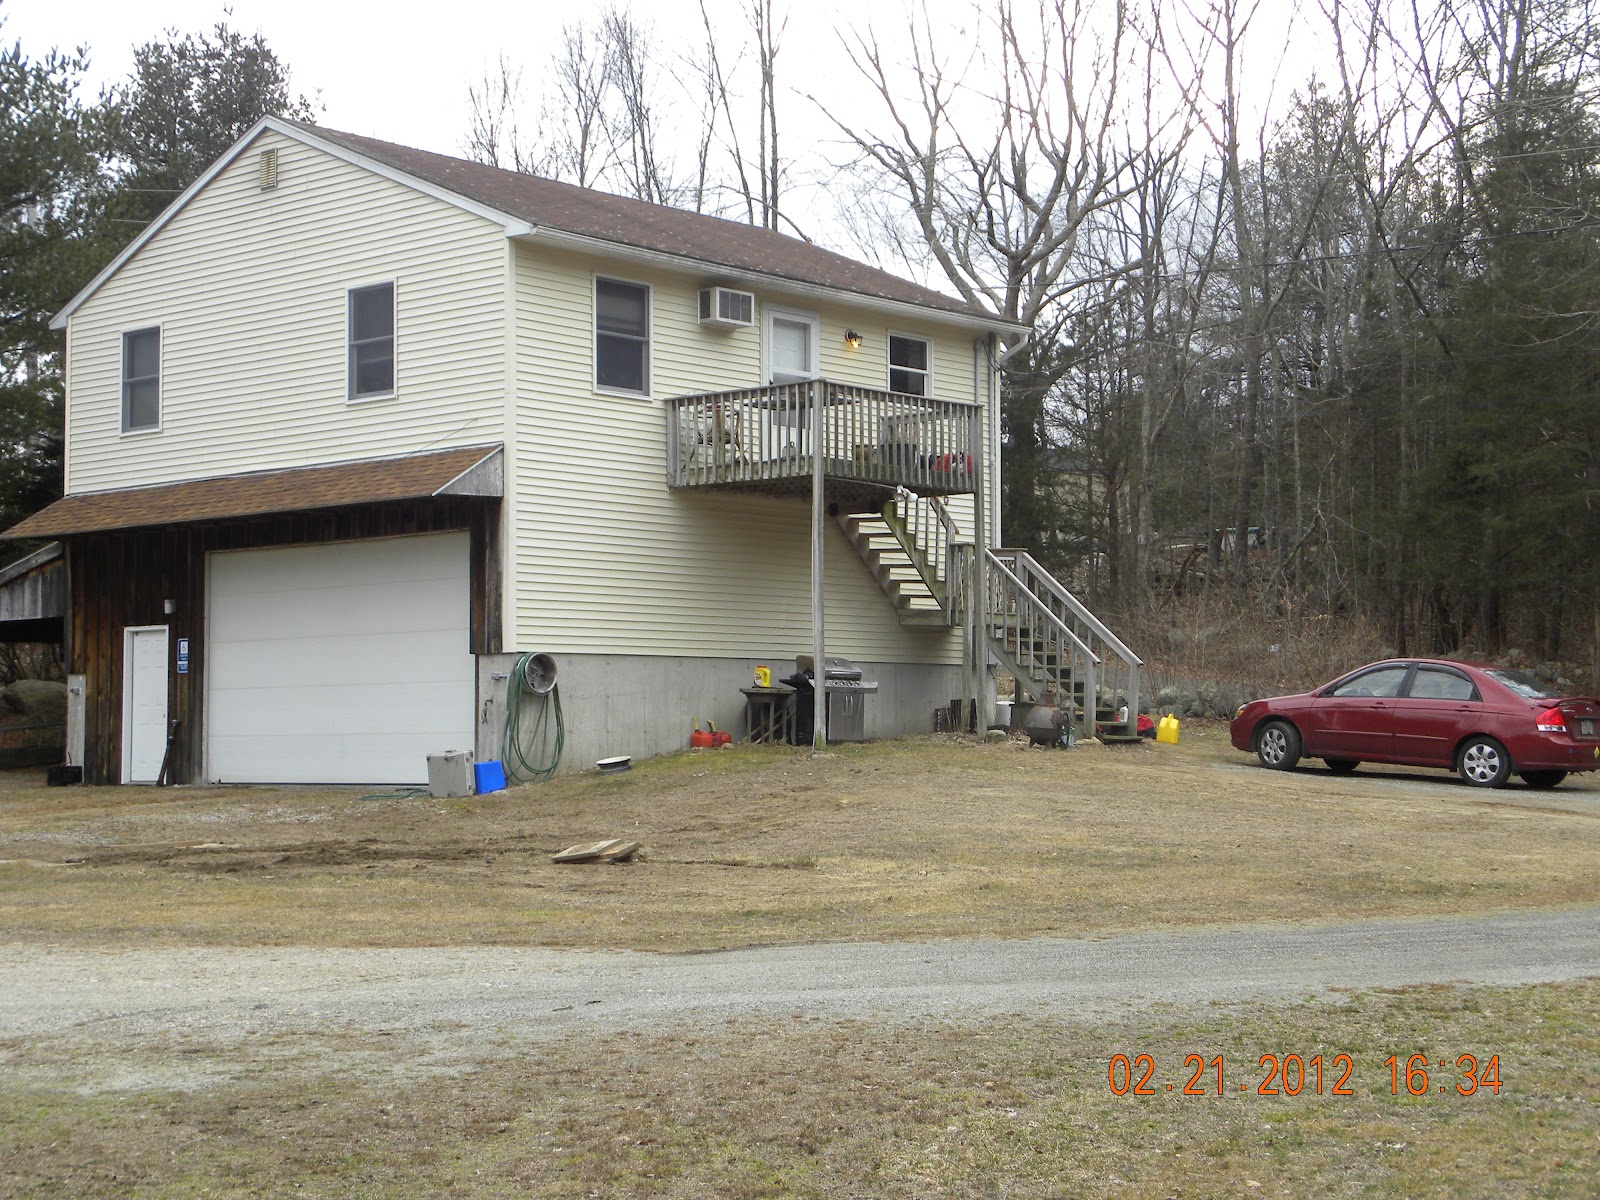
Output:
x,y
688,264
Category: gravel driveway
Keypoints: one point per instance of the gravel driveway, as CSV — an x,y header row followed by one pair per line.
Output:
x,y
478,993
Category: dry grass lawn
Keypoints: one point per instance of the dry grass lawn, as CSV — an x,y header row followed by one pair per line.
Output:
x,y
804,1108
913,839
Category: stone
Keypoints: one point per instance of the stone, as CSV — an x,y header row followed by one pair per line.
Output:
x,y
38,700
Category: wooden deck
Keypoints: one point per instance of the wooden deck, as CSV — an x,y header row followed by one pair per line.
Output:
x,y
872,442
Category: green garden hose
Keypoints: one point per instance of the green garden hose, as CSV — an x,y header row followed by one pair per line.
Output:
x,y
534,758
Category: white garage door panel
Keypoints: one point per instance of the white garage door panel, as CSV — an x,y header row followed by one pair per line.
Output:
x,y
340,711
427,657
340,759
350,611
340,663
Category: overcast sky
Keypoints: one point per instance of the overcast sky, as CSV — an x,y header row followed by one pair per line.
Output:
x,y
397,71
401,72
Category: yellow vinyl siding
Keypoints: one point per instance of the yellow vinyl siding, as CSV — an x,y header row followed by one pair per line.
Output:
x,y
249,289
608,559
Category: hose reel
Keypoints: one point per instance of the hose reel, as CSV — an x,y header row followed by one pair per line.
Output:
x,y
533,754
538,673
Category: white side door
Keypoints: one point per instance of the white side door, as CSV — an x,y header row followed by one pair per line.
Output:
x,y
792,345
792,353
144,702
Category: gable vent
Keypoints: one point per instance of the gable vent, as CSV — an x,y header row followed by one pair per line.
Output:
x,y
269,170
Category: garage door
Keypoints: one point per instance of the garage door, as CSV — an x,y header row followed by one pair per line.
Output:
x,y
338,663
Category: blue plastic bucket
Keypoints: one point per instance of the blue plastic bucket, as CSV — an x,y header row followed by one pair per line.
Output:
x,y
489,777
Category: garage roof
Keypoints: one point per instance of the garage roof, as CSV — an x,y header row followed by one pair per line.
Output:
x,y
466,471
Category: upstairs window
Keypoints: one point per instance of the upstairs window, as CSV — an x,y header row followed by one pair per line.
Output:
x,y
908,365
621,336
141,380
372,341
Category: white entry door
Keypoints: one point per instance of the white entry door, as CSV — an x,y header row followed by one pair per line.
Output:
x,y
345,662
791,346
144,702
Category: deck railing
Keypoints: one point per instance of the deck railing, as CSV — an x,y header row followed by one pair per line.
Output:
x,y
753,436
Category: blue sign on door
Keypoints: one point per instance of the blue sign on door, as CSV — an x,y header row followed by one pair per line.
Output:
x,y
183,656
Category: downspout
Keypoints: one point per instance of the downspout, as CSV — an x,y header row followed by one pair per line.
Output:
x,y
511,492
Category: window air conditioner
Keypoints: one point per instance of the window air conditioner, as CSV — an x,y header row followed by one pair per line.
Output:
x,y
726,307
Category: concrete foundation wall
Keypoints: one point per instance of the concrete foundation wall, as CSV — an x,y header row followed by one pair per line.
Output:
x,y
645,705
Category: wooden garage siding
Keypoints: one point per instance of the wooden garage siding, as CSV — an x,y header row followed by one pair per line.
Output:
x,y
121,579
249,289
609,560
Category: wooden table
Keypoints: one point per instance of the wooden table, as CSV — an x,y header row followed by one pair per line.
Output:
x,y
769,713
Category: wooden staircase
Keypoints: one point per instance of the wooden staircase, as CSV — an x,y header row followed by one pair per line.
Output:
x,y
1034,627
913,583
1048,638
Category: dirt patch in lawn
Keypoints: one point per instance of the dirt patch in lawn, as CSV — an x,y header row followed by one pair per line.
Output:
x,y
909,839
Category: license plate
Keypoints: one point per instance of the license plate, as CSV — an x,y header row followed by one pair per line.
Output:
x,y
1586,728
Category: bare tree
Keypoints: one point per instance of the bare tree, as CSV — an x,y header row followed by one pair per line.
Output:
x,y
1004,155
574,121
492,133
769,34
631,74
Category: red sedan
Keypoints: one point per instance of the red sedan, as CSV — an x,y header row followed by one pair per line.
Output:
x,y
1488,723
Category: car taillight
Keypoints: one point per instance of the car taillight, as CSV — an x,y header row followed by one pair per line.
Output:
x,y
1552,720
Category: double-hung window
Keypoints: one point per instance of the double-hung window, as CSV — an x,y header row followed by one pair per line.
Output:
x,y
908,365
141,380
372,341
621,336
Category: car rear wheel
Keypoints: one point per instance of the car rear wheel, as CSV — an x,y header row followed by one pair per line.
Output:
x,y
1278,745
1342,766
1484,763
1543,779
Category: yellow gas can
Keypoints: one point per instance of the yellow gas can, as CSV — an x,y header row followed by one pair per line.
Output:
x,y
1167,730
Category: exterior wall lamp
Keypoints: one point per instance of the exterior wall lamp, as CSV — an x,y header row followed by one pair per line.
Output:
x,y
852,339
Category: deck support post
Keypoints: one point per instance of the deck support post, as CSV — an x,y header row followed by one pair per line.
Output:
x,y
819,698
982,686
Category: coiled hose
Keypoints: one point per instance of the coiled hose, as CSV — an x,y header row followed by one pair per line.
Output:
x,y
534,758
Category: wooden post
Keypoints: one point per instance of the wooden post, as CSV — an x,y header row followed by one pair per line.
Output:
x,y
819,698
978,620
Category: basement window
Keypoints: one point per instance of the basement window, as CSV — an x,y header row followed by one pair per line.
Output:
x,y
372,341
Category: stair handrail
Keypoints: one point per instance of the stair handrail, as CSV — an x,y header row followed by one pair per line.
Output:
x,y
1053,586
1041,583
1039,608
1003,584
941,511
930,529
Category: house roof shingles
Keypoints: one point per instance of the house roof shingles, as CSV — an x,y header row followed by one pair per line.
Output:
x,y
375,481
714,241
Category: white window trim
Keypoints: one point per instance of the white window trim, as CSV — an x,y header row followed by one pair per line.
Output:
x,y
769,311
888,363
594,337
349,341
122,380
